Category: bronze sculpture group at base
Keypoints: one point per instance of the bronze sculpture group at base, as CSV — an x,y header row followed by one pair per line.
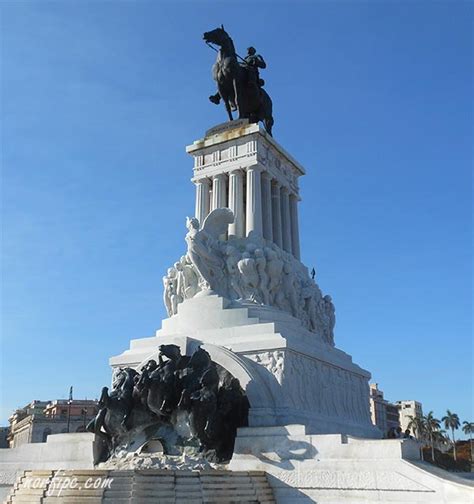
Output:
x,y
182,401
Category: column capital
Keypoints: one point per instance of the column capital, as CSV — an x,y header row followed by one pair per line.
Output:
x,y
297,197
218,176
254,168
276,183
203,180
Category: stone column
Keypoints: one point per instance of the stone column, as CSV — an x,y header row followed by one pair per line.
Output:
x,y
285,219
267,206
254,202
219,195
276,214
295,233
236,203
202,199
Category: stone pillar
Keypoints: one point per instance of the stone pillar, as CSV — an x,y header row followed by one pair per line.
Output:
x,y
202,199
236,203
295,233
267,206
276,214
219,195
285,219
254,202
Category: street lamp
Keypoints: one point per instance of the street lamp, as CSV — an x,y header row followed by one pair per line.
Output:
x,y
84,417
69,409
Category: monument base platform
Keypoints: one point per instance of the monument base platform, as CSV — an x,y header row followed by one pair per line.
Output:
x,y
290,375
270,464
305,469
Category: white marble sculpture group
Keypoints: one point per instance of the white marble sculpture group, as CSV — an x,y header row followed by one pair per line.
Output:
x,y
246,271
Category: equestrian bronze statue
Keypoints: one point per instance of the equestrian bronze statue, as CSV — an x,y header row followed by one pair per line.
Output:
x,y
239,84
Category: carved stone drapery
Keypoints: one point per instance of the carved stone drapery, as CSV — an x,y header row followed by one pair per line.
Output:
x,y
247,270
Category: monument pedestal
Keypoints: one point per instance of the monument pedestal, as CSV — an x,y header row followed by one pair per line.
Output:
x,y
289,376
242,292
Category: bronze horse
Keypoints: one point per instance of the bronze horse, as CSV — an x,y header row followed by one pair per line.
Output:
x,y
234,86
114,408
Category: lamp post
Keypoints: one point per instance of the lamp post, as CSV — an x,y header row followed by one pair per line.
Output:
x,y
69,409
84,417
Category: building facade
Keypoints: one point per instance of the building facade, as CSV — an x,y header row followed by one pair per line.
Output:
x,y
4,431
378,408
384,413
37,420
408,410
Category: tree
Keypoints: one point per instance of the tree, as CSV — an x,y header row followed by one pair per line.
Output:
x,y
440,437
432,426
468,428
451,421
417,426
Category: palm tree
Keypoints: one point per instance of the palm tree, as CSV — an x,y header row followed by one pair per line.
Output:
x,y
440,437
417,426
451,421
468,428
432,426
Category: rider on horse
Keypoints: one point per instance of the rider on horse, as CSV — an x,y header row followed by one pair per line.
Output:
x,y
252,62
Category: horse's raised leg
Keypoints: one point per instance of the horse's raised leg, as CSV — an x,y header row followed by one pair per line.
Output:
x,y
238,99
216,98
104,396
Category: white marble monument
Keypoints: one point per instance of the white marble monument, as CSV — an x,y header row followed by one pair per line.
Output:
x,y
241,291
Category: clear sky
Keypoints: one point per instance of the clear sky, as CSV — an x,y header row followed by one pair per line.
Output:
x,y
99,100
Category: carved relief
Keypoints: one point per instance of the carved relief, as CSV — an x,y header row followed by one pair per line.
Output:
x,y
273,361
311,385
247,272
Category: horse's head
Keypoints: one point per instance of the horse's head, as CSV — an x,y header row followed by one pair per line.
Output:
x,y
129,375
173,352
200,359
218,36
118,378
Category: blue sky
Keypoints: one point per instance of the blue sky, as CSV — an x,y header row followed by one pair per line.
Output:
x,y
98,102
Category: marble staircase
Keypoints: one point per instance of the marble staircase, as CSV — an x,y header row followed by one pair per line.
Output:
x,y
141,487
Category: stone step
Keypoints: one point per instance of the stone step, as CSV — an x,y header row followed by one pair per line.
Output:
x,y
27,499
29,491
84,492
75,499
241,331
144,487
153,500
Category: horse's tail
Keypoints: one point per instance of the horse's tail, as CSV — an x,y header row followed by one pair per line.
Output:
x,y
266,111
269,125
266,103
